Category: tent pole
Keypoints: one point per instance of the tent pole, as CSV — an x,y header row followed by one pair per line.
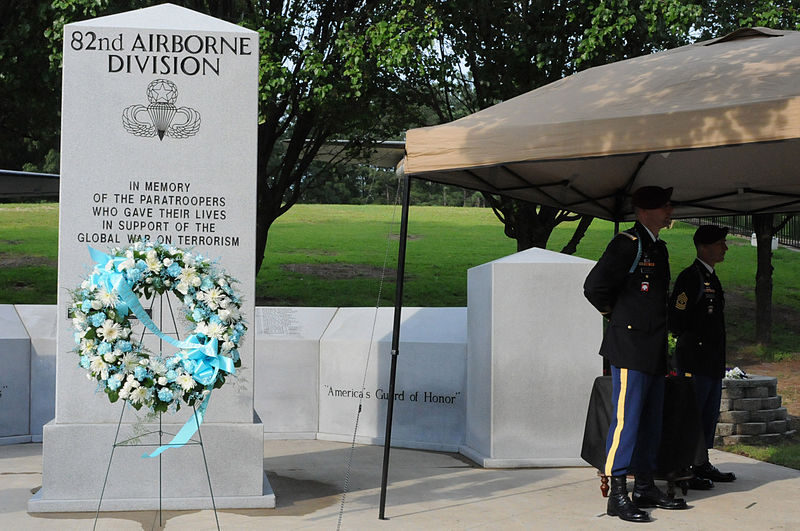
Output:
x,y
398,305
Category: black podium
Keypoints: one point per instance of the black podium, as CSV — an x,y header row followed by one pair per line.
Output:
x,y
682,441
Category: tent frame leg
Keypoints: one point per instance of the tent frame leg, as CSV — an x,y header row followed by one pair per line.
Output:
x,y
398,306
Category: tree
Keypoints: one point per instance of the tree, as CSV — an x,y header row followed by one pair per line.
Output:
x,y
29,111
492,50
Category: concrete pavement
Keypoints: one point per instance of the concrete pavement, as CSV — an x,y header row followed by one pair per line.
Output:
x,y
427,490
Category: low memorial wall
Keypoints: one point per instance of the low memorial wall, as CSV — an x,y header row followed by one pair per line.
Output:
x,y
504,381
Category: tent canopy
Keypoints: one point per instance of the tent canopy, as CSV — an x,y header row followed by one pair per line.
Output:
x,y
718,120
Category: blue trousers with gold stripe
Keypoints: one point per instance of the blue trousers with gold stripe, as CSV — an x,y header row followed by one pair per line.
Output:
x,y
634,435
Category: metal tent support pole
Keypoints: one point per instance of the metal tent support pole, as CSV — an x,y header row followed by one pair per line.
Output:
x,y
398,306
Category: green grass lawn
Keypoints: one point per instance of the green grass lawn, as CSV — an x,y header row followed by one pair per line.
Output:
x,y
334,255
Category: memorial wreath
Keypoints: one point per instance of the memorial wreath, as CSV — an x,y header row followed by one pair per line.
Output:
x,y
104,304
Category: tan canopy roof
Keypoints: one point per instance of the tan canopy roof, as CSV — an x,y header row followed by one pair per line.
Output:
x,y
718,120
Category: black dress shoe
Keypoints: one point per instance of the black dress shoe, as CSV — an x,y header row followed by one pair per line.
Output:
x,y
619,504
709,471
651,496
697,483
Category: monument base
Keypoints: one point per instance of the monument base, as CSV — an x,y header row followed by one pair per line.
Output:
x,y
485,461
75,459
38,504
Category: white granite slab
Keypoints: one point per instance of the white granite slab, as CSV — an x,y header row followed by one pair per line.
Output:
x,y
430,391
40,322
15,370
287,369
533,342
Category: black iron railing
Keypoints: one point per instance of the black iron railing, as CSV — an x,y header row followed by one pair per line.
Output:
x,y
742,225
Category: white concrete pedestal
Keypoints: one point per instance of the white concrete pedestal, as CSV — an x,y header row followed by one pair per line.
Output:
x,y
532,358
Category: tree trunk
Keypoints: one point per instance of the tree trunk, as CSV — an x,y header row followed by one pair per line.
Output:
x,y
763,227
580,232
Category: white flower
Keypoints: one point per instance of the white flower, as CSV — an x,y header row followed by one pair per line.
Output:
x,y
153,264
162,381
85,284
108,299
158,367
196,281
140,395
188,274
96,305
227,346
110,331
224,315
130,379
110,357
215,330
124,393
167,262
129,253
185,381
143,361
79,320
222,281
183,287
129,360
87,346
212,297
130,263
97,364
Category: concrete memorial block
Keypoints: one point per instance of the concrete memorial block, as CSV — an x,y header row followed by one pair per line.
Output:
x,y
159,125
15,366
287,369
40,322
533,343
430,388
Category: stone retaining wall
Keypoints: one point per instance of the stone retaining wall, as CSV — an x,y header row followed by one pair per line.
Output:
x,y
751,412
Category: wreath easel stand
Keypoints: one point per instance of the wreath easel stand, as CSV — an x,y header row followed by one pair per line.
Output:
x,y
131,442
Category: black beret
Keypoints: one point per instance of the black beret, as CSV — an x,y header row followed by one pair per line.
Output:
x,y
707,234
651,197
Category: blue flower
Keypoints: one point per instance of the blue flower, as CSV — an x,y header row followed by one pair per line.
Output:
x,y
189,366
97,319
103,348
85,362
114,382
173,362
140,373
171,375
165,395
86,305
134,274
207,284
141,265
174,270
215,319
199,314
235,355
124,346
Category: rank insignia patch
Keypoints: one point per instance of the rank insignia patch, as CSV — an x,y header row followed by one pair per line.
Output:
x,y
680,302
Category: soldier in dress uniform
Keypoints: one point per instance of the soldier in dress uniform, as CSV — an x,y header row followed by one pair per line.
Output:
x,y
696,318
629,285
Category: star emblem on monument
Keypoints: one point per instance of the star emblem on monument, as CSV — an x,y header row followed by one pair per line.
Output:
x,y
160,117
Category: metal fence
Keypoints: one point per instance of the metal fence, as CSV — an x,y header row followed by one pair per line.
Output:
x,y
22,185
743,225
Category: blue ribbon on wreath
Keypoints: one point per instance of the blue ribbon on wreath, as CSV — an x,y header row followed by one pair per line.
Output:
x,y
199,358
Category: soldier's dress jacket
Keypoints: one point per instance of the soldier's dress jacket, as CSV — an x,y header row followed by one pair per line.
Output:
x,y
632,293
696,318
